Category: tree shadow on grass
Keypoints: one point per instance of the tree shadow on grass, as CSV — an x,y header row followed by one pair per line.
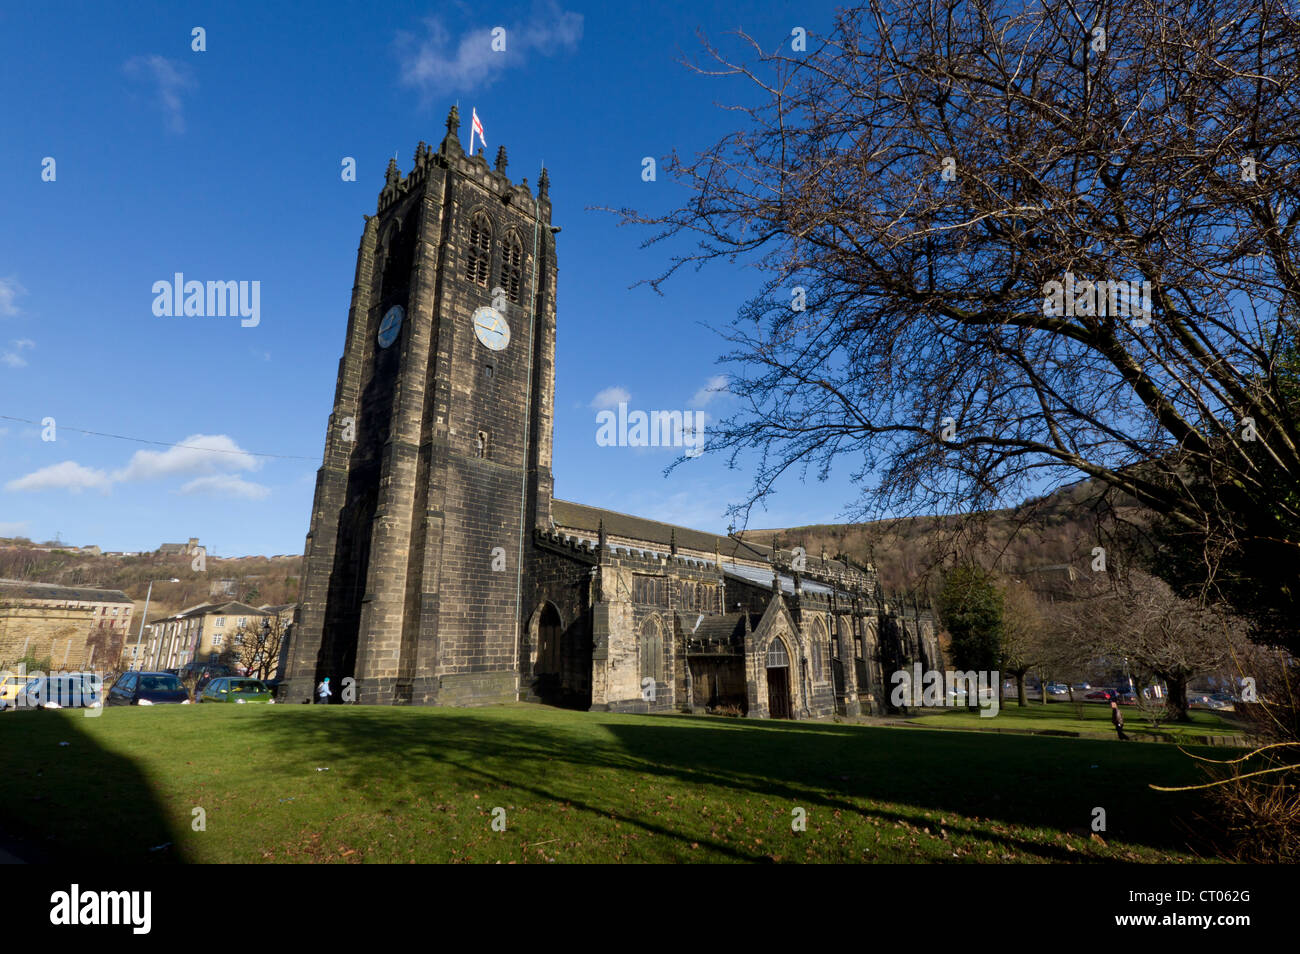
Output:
x,y
1008,780
76,801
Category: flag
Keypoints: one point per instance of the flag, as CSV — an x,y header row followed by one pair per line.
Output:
x,y
476,128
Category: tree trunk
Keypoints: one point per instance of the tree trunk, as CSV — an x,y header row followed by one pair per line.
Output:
x,y
1176,703
1021,698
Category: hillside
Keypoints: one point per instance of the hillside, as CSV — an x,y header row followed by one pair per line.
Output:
x,y
254,580
1047,532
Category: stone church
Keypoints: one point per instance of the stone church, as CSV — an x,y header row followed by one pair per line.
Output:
x,y
441,570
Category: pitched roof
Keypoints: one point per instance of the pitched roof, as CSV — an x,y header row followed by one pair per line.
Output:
x,y
26,589
585,521
575,516
229,608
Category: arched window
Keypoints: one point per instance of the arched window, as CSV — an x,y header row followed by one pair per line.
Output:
x,y
777,657
512,267
652,650
818,641
479,255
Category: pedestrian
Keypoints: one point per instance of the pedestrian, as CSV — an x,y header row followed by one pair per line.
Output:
x,y
1117,717
323,690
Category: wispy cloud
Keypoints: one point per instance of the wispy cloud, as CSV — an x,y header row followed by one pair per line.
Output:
x,y
212,460
715,388
68,475
610,398
10,289
438,63
13,355
226,485
170,79
201,455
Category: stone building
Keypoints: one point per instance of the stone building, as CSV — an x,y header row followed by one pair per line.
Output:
x,y
440,570
75,627
200,635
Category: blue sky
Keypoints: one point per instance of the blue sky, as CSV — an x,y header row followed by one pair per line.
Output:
x,y
225,165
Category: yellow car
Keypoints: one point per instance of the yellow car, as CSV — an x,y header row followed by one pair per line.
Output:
x,y
11,683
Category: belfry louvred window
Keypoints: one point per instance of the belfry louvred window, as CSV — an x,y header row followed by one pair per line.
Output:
x,y
479,258
512,267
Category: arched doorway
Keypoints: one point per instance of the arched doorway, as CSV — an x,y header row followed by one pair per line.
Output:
x,y
547,679
778,680
561,666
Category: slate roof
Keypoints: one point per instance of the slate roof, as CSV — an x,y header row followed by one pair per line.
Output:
x,y
26,589
585,521
228,608
574,516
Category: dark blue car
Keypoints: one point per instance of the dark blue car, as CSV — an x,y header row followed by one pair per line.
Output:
x,y
148,689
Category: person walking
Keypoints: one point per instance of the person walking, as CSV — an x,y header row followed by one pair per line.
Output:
x,y
323,690
1117,718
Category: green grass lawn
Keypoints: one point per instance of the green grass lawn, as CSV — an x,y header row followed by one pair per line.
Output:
x,y
421,784
1062,717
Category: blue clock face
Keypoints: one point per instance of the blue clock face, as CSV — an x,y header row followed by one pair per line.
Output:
x,y
390,326
491,328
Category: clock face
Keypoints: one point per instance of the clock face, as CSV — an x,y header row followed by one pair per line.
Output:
x,y
390,326
491,328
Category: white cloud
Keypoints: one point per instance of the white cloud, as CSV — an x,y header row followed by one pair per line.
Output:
x,y
170,79
610,398
226,485
434,67
715,388
203,454
17,528
68,475
10,289
13,358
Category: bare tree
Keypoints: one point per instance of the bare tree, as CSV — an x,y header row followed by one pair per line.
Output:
x,y
1163,636
256,645
1023,634
1006,244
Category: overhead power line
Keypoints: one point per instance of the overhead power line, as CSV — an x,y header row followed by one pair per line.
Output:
x,y
141,440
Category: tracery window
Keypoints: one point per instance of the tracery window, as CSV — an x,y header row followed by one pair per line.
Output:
x,y
479,257
512,267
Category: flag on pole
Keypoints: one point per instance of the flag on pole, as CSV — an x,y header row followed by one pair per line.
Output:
x,y
475,129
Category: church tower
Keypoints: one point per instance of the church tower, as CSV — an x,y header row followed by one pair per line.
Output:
x,y
437,462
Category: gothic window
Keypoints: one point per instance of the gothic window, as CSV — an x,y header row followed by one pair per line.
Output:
x,y
649,590
777,657
479,257
652,651
512,267
818,639
481,445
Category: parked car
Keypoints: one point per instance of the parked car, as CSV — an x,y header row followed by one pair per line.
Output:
x,y
148,689
11,683
61,691
1058,688
1124,696
237,689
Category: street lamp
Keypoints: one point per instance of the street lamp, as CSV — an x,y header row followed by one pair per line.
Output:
x,y
144,616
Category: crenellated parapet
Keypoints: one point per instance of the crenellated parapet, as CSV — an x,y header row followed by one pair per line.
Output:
x,y
451,156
